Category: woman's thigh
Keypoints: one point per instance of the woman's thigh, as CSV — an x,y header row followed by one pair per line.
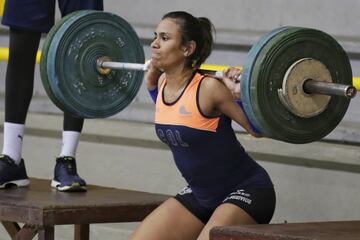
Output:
x,y
243,206
226,214
171,220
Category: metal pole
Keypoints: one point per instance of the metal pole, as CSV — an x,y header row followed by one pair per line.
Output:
x,y
310,86
318,87
103,67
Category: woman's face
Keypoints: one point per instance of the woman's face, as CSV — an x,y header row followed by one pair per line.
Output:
x,y
166,48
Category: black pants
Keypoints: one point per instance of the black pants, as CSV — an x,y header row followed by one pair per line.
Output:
x,y
20,79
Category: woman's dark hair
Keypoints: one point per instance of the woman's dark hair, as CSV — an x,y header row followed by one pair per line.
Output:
x,y
199,30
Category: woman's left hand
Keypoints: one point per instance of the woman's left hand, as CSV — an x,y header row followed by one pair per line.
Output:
x,y
231,81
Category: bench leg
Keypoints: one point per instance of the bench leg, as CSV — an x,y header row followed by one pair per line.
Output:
x,y
11,227
81,232
26,232
46,233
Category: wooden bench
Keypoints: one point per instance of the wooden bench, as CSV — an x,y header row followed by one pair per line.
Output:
x,y
346,230
40,208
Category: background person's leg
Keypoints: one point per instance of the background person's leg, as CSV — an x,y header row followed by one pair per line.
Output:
x,y
19,86
66,177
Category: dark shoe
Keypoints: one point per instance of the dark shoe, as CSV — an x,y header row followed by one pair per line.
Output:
x,y
66,178
12,174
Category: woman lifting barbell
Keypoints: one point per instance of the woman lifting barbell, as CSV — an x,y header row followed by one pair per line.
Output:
x,y
288,95
193,117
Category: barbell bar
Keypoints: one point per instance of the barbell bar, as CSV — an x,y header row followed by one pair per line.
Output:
x,y
4,56
272,81
310,86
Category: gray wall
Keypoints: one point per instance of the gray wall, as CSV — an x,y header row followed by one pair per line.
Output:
x,y
241,21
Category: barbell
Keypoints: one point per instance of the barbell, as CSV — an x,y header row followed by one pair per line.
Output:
x,y
296,83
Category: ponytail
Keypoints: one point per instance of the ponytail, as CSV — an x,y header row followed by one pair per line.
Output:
x,y
207,40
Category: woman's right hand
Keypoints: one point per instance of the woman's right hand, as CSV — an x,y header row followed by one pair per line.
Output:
x,y
152,75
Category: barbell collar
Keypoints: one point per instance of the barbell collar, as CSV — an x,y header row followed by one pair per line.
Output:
x,y
334,89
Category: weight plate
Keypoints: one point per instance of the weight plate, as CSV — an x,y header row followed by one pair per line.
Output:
x,y
246,76
69,69
43,60
267,74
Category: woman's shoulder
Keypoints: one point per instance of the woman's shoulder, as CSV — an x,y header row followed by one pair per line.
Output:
x,y
214,89
211,84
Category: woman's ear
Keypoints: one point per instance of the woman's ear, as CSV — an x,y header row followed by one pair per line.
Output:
x,y
189,49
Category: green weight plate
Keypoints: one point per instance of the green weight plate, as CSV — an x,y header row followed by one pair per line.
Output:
x,y
268,73
247,73
44,54
69,67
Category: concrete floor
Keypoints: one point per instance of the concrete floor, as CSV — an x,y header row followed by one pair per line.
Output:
x,y
314,182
